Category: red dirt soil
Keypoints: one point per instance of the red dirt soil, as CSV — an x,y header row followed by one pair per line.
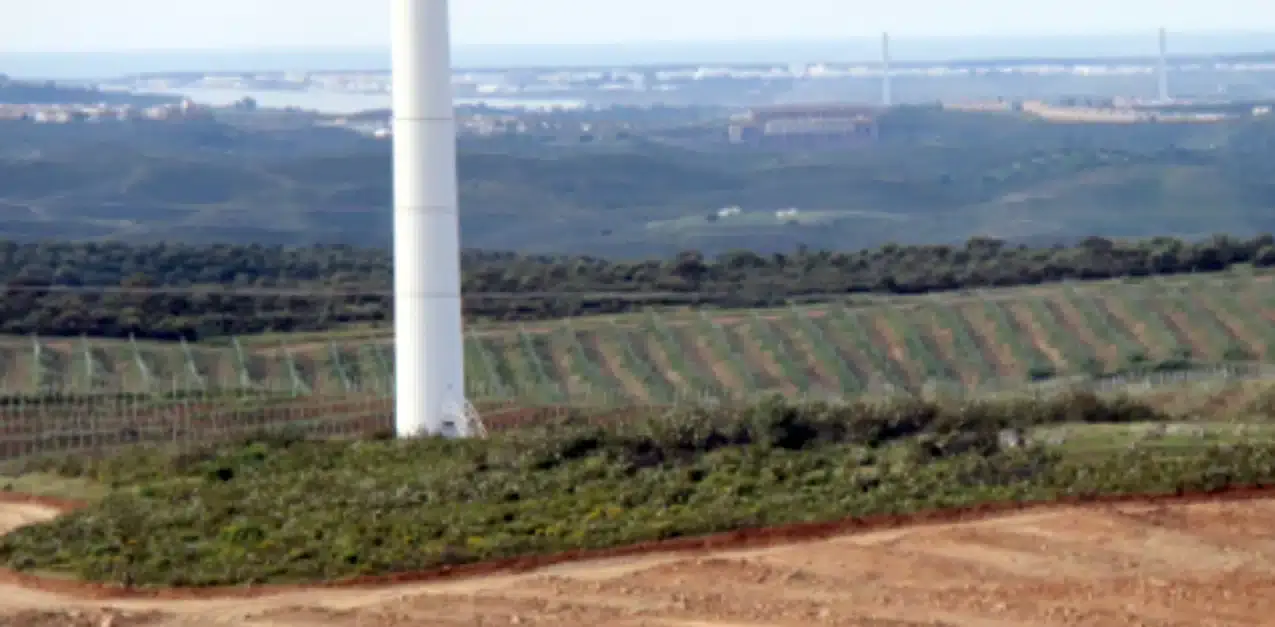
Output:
x,y
1236,325
1001,356
1037,335
1185,560
896,349
1073,320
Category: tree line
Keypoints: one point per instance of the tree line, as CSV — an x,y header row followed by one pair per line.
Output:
x,y
169,291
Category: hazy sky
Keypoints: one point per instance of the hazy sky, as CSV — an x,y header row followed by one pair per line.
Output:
x,y
80,25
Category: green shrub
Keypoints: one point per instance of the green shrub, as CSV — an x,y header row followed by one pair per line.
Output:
x,y
285,509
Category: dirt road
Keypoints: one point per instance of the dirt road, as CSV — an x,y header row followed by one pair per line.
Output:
x,y
1165,565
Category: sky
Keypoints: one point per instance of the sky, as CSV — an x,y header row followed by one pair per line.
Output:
x,y
104,25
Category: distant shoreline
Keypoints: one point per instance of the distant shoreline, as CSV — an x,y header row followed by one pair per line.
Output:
x,y
101,65
332,102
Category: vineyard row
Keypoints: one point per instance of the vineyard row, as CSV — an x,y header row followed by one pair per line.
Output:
x,y
829,351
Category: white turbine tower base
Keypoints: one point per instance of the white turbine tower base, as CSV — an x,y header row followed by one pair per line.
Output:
x,y
429,370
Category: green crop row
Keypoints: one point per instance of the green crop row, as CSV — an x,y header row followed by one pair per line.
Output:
x,y
834,350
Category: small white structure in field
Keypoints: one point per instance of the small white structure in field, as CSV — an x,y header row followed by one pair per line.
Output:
x,y
727,212
786,214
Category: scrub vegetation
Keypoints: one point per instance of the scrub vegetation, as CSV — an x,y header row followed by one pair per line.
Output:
x,y
283,509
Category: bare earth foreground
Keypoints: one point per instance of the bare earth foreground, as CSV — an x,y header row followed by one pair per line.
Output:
x,y
1207,563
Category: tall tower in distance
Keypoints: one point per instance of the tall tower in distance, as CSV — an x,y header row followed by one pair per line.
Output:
x,y
887,97
1163,69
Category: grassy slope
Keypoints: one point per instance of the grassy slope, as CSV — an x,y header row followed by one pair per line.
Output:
x,y
995,339
283,510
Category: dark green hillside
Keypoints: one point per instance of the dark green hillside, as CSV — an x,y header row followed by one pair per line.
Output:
x,y
39,92
937,177
30,274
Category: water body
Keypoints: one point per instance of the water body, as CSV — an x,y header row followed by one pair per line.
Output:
x,y
338,102
100,65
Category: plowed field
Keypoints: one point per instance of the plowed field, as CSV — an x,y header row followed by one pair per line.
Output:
x,y
978,343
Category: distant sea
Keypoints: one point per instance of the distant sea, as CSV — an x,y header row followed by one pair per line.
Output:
x,y
101,65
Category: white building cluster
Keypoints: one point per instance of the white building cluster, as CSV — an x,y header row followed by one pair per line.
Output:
x,y
99,113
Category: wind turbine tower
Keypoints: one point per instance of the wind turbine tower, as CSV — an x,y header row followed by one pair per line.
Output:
x,y
1164,67
887,97
429,394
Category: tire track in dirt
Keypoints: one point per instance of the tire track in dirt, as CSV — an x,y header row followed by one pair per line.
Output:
x,y
896,349
1263,312
1171,561
1236,326
613,364
1039,337
14,374
1265,309
706,356
823,375
562,358
856,360
526,377
1074,321
804,362
944,342
1187,333
662,363
1137,329
1002,357
753,353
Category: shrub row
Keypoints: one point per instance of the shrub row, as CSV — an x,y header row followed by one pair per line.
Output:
x,y
53,288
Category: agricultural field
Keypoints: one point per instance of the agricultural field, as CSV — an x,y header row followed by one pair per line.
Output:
x,y
999,340
252,515
1077,509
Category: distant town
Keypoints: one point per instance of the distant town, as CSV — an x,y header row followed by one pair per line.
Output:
x,y
764,104
59,113
525,83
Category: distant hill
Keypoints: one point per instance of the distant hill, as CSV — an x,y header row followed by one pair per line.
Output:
x,y
938,177
40,92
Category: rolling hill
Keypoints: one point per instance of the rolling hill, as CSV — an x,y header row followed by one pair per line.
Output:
x,y
936,178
